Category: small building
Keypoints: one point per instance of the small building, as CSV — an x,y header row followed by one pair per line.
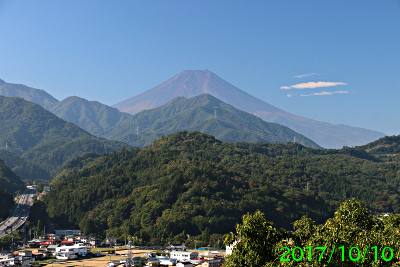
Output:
x,y
67,242
65,252
210,255
183,255
25,253
184,264
211,263
94,242
153,263
176,247
38,256
111,241
6,254
7,262
164,261
149,254
22,261
68,232
52,249
47,188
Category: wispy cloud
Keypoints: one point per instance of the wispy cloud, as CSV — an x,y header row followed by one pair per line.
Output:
x,y
289,95
312,85
304,75
327,93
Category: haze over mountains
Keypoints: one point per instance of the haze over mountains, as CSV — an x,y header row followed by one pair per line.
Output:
x,y
195,114
102,120
203,113
37,96
190,83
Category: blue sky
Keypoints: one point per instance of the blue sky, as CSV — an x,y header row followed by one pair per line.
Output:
x,y
333,61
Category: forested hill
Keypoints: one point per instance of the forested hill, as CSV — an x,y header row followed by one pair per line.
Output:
x,y
24,168
42,139
94,117
189,182
6,203
8,180
206,114
386,148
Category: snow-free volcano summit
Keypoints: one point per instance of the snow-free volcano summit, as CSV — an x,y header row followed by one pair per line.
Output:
x,y
191,83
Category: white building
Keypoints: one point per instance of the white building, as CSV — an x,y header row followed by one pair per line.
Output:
x,y
183,255
184,264
166,261
68,252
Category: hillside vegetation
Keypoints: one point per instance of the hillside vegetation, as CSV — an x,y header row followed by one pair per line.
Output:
x,y
36,137
6,203
8,180
191,183
206,114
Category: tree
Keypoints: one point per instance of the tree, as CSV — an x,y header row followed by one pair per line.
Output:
x,y
257,241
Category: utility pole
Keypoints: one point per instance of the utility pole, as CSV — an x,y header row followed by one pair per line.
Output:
x,y
215,113
129,261
307,186
137,130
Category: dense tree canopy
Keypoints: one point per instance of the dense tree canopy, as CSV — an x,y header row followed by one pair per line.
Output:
x,y
191,183
39,143
353,237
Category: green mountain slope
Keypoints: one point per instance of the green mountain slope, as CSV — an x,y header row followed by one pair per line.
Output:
x,y
203,113
6,203
23,168
37,96
94,117
8,180
191,183
386,148
41,138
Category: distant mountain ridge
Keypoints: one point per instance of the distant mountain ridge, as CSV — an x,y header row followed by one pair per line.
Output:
x,y
98,119
37,96
102,120
92,116
190,83
206,114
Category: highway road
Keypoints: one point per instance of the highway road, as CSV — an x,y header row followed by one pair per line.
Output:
x,y
20,214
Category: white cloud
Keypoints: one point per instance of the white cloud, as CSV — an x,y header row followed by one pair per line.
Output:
x,y
304,75
289,95
327,93
312,85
